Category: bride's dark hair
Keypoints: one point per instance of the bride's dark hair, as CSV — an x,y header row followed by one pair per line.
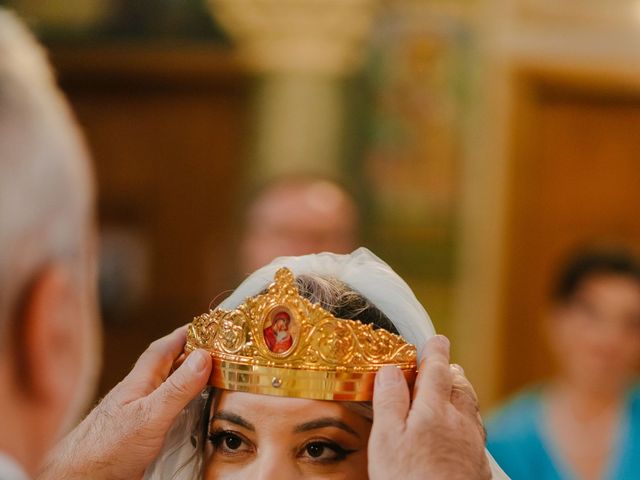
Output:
x,y
183,456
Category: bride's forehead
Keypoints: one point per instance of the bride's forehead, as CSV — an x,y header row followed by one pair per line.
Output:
x,y
252,402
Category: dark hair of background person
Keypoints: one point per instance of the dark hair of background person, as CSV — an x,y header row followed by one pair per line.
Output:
x,y
588,263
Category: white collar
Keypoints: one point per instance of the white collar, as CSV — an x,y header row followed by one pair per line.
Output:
x,y
10,469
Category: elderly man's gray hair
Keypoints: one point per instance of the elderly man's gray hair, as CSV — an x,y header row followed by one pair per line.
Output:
x,y
46,192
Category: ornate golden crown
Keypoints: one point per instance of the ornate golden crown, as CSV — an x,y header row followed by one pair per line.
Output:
x,y
279,343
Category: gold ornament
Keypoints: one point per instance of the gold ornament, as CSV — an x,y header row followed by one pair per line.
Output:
x,y
279,343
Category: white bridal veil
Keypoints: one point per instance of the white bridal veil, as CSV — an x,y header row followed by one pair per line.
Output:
x,y
366,274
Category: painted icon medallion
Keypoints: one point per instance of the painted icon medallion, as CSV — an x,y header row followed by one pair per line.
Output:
x,y
279,331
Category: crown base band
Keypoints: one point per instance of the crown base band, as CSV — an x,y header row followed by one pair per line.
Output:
x,y
346,386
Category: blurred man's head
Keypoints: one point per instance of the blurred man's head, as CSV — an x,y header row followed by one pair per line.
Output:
x,y
48,330
297,216
595,327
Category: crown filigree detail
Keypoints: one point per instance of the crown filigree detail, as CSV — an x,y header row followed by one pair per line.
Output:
x,y
280,343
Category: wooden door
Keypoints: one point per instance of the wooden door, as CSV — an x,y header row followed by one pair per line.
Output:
x,y
575,178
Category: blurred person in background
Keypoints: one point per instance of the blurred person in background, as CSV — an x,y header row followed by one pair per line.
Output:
x,y
297,215
585,422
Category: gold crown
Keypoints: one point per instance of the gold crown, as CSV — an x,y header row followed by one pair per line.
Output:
x,y
279,343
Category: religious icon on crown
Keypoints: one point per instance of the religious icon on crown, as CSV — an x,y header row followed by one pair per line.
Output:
x,y
278,331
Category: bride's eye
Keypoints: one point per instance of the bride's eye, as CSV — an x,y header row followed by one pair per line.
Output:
x,y
229,442
324,451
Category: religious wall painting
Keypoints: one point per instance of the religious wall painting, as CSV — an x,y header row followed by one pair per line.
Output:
x,y
417,73
421,83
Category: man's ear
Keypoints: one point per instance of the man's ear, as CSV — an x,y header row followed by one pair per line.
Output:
x,y
51,329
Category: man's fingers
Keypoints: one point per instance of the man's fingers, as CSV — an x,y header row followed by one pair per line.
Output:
x,y
463,396
181,387
390,401
434,382
154,365
465,399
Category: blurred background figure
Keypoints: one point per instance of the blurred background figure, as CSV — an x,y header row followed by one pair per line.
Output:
x,y
584,422
297,216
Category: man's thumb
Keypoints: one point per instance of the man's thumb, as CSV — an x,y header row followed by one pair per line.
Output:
x,y
181,387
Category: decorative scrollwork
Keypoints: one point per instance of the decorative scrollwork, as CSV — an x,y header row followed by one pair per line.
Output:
x,y
280,328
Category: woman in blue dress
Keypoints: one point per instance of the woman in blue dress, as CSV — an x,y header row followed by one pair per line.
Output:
x,y
583,424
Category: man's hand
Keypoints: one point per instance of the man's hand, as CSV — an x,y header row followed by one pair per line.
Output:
x,y
125,432
439,435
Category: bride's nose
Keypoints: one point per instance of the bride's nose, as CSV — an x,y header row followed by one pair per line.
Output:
x,y
277,467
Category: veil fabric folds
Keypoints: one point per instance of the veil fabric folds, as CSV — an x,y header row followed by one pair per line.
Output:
x,y
365,273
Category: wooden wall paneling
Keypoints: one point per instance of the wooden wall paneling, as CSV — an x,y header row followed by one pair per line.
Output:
x,y
575,179
167,134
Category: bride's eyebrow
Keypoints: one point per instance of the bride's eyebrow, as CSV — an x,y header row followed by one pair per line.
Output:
x,y
323,423
233,418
